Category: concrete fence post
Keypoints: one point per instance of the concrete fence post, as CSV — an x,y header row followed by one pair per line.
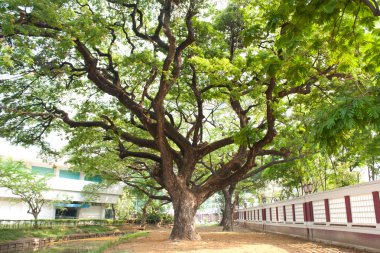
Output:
x,y
294,213
270,214
376,204
311,211
305,212
327,212
348,210
276,213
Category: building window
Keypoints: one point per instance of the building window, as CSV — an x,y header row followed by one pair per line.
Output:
x,y
97,179
69,174
109,214
66,213
42,170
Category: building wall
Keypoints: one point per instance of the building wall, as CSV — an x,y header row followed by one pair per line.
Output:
x,y
16,210
65,185
93,212
63,188
12,209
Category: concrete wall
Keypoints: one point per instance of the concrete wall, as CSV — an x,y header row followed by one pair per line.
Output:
x,y
12,210
93,212
356,238
60,189
71,189
63,189
348,216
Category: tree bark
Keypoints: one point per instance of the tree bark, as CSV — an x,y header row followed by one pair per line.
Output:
x,y
113,211
227,217
35,224
185,206
229,207
221,223
144,213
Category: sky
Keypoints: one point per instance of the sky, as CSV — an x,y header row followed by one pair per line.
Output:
x,y
29,154
17,152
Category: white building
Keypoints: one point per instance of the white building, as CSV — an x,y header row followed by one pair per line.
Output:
x,y
65,191
209,211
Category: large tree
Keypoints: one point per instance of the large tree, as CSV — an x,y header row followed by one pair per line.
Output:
x,y
171,83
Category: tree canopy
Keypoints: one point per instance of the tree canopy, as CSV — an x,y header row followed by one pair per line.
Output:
x,y
173,83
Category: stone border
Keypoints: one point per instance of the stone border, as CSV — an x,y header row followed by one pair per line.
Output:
x,y
35,243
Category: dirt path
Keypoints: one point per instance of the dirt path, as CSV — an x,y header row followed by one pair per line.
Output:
x,y
213,240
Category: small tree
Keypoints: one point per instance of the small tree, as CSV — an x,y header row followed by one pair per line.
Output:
x,y
124,206
24,184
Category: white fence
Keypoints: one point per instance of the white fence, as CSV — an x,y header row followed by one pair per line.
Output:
x,y
348,216
357,205
353,211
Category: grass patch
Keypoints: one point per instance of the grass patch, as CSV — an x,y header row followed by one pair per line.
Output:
x,y
211,224
118,241
15,234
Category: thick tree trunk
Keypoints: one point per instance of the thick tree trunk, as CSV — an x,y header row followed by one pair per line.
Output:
x,y
228,212
185,206
229,221
229,207
221,223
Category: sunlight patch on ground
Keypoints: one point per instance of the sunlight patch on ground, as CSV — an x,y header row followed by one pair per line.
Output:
x,y
257,248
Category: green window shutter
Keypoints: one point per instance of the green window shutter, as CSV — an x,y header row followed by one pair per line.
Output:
x,y
97,179
69,174
42,170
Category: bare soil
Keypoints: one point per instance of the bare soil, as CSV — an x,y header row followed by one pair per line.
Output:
x,y
214,240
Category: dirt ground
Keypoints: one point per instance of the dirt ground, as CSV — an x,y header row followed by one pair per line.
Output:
x,y
214,240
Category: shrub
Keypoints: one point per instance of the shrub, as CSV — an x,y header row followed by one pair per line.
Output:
x,y
155,217
14,224
167,218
